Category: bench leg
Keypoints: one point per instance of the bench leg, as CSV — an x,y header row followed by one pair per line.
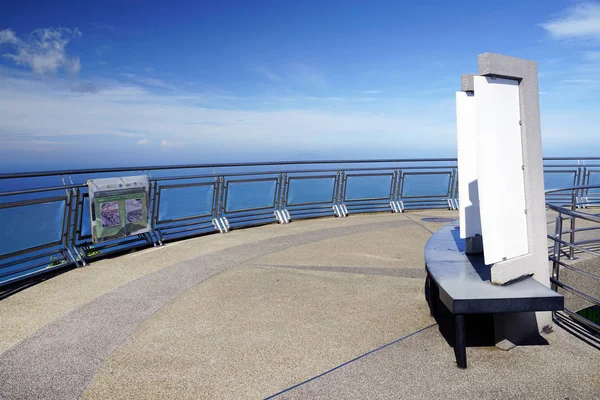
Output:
x,y
460,344
434,295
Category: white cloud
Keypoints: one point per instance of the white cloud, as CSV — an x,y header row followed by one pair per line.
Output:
x,y
581,21
125,114
370,91
7,36
170,144
148,81
144,141
43,50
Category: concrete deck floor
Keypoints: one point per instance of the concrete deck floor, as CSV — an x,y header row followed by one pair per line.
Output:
x,y
328,308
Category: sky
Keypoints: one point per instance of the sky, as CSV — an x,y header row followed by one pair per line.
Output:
x,y
119,83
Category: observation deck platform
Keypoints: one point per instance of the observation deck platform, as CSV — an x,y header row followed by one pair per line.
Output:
x,y
323,308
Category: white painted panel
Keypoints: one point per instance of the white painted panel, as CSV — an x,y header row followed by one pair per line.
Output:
x,y
500,173
468,196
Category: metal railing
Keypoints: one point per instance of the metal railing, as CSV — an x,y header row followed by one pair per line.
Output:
x,y
576,258
45,216
45,220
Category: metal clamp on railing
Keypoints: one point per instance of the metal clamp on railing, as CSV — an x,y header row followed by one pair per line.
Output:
x,y
221,224
282,216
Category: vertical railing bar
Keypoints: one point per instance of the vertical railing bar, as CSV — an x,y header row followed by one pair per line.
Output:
x,y
586,180
278,189
392,186
66,221
557,250
286,193
154,205
336,188
223,194
75,226
450,183
572,227
344,187
398,183
215,202
80,219
455,194
394,180
277,194
401,192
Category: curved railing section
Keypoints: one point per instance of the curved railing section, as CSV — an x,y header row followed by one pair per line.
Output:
x,y
45,216
575,254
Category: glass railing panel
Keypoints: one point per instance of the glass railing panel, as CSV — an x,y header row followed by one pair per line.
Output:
x,y
247,195
426,184
368,187
314,190
593,179
30,226
185,201
559,179
86,229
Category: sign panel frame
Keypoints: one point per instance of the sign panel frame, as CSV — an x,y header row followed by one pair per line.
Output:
x,y
119,207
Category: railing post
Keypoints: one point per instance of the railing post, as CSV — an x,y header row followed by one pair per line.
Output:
x,y
572,227
282,200
557,249
218,204
155,199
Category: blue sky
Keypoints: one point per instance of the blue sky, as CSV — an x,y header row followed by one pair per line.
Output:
x,y
86,84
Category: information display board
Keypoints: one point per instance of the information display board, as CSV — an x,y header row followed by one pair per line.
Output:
x,y
119,207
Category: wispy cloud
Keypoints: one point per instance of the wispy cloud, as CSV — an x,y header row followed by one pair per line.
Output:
x,y
148,81
144,141
8,37
85,87
370,91
581,21
265,73
170,144
43,50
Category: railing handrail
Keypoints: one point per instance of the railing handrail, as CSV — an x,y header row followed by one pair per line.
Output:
x,y
32,174
214,165
572,213
570,188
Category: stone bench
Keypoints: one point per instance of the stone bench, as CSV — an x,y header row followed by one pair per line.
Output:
x,y
462,284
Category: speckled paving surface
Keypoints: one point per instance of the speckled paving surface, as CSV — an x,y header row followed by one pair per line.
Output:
x,y
257,311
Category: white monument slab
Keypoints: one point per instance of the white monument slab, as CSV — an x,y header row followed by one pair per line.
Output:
x,y
500,169
468,196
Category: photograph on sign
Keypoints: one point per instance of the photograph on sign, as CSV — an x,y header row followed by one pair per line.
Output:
x,y
134,210
118,207
109,213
